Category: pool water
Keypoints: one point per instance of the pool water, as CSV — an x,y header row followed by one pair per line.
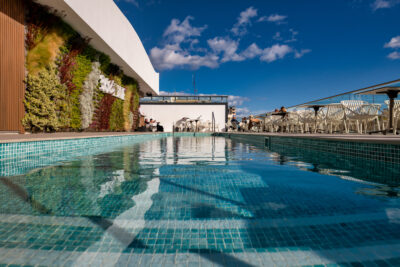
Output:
x,y
193,201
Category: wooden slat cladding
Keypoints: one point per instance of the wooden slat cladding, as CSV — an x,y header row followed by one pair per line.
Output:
x,y
12,64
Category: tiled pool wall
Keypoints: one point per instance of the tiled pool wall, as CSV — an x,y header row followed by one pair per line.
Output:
x,y
17,158
389,153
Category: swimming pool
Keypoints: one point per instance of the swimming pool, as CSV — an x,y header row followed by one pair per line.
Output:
x,y
190,201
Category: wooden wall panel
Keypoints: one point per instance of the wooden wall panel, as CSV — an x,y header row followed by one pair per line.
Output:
x,y
12,64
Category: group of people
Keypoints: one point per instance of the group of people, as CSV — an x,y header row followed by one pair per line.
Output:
x,y
245,125
282,110
151,126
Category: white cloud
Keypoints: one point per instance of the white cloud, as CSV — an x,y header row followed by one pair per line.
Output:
x,y
246,15
242,112
380,4
262,19
276,18
227,47
393,43
293,37
181,46
394,55
172,56
178,32
134,2
301,53
234,100
244,19
275,52
277,36
252,51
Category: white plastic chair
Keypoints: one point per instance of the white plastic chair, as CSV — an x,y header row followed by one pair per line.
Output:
x,y
369,116
352,110
306,119
335,118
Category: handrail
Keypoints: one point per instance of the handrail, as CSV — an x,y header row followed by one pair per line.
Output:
x,y
213,122
346,93
185,98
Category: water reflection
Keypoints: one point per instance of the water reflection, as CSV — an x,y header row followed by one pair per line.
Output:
x,y
381,190
198,195
96,185
184,151
112,190
384,177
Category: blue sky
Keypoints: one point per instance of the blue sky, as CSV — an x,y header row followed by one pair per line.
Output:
x,y
269,53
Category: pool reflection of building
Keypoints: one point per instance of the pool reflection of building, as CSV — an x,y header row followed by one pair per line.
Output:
x,y
183,150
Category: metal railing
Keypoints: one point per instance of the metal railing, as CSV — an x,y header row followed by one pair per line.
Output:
x,y
185,99
213,123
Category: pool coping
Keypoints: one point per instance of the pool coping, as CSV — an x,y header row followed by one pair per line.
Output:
x,y
372,139
22,138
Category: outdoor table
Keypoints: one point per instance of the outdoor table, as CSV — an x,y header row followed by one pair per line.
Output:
x,y
283,114
316,108
392,92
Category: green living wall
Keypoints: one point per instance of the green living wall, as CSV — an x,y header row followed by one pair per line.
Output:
x,y
63,89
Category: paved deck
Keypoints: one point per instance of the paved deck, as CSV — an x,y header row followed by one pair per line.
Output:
x,y
15,137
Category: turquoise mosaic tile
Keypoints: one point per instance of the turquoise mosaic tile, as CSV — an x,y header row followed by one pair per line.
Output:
x,y
204,201
19,157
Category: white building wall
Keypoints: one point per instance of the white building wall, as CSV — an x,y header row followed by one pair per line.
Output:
x,y
112,33
168,114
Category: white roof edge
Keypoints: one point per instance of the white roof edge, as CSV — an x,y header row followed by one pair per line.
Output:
x,y
111,33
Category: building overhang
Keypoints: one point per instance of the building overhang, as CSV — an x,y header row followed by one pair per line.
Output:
x,y
111,33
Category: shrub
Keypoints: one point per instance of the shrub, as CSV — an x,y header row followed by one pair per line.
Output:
x,y
116,116
83,68
67,65
63,108
133,106
104,111
136,99
46,33
34,33
96,56
39,20
87,96
113,70
127,110
72,99
46,105
44,53
126,80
